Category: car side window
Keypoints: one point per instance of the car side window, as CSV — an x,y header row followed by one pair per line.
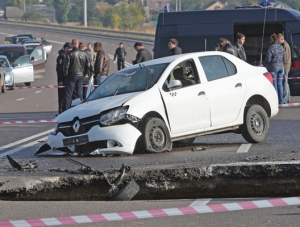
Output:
x,y
214,67
22,60
185,72
230,66
37,54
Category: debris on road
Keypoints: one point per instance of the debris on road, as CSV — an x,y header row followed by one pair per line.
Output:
x,y
16,165
198,148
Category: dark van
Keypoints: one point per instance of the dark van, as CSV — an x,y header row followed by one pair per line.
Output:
x,y
201,30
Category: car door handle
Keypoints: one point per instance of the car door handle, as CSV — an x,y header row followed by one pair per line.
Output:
x,y
201,93
238,85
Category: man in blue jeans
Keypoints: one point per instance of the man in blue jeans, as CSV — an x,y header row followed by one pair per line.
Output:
x,y
76,65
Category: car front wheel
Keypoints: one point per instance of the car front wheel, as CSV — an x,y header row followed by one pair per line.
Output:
x,y
256,124
155,136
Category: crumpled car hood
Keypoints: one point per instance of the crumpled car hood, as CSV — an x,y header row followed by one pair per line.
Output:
x,y
94,107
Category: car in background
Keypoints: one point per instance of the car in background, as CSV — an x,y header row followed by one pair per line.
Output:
x,y
148,106
20,72
47,46
30,41
21,39
30,36
36,57
30,47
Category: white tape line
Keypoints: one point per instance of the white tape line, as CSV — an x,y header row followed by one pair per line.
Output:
x,y
244,148
200,202
25,140
21,148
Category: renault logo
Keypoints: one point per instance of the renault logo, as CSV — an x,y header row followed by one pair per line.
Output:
x,y
76,126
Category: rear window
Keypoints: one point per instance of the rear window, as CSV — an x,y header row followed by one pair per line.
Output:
x,y
12,53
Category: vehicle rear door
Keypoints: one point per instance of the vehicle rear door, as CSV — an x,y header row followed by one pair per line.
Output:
x,y
23,70
37,59
226,89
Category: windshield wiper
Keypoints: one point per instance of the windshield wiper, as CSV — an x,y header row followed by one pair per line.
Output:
x,y
125,75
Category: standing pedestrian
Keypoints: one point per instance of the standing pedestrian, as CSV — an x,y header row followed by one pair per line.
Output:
x,y
275,60
142,55
226,46
75,67
60,73
81,46
101,66
240,40
120,53
287,66
90,52
173,46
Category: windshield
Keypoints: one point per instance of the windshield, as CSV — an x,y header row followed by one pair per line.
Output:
x,y
12,53
127,81
3,62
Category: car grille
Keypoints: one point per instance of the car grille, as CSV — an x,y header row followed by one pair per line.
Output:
x,y
86,124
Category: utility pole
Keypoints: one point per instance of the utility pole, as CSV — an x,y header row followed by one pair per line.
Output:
x,y
176,8
24,6
84,13
179,5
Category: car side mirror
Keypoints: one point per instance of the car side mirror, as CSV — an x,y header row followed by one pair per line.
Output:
x,y
174,84
32,59
76,102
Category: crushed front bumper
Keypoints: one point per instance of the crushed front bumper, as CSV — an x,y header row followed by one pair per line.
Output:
x,y
117,139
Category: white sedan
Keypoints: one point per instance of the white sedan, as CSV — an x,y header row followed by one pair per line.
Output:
x,y
148,106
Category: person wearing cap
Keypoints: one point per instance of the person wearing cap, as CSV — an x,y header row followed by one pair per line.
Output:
x,y
60,74
76,65
142,55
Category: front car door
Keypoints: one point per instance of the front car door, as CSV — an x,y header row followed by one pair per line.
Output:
x,y
37,58
187,108
23,70
226,87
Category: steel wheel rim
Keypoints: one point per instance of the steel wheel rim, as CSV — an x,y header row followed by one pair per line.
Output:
x,y
157,137
258,123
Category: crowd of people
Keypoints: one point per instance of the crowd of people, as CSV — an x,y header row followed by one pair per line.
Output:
x,y
75,65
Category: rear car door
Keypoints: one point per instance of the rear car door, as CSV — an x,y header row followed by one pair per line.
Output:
x,y
23,70
37,59
226,87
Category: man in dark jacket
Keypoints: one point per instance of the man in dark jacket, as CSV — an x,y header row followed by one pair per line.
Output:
x,y
75,67
226,46
142,55
60,73
240,40
101,66
174,48
120,53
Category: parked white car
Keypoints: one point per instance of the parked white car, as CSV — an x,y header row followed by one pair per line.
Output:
x,y
148,106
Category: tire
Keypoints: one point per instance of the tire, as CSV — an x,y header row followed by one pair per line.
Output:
x,y
155,136
185,141
256,124
27,84
126,191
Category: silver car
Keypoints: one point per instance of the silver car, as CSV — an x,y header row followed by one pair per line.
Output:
x,y
20,72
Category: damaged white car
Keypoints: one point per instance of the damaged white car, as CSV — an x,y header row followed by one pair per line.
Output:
x,y
148,106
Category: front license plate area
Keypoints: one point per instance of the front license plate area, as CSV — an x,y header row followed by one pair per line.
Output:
x,y
76,140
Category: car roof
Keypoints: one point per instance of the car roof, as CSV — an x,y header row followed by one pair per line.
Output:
x,y
3,56
11,45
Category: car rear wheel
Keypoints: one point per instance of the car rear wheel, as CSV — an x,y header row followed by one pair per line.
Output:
x,y
155,136
256,124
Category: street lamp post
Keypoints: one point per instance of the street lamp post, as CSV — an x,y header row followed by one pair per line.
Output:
x,y
84,14
24,6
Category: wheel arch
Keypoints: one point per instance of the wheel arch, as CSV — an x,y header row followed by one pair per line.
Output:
x,y
259,100
153,114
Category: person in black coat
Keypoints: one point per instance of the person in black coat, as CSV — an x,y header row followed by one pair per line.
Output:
x,y
226,46
60,73
142,55
120,53
174,48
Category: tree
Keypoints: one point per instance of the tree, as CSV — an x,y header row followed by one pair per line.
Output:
x,y
32,16
62,8
48,2
20,3
76,12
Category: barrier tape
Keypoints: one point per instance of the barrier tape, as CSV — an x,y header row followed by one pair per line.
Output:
x,y
38,87
289,105
169,212
26,122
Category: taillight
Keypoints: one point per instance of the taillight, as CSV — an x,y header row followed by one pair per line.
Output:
x,y
269,77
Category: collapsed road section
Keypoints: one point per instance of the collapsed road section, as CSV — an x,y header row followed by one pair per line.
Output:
x,y
260,179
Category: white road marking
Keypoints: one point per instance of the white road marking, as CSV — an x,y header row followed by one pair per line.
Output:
x,y
21,147
38,92
200,202
25,140
244,148
20,99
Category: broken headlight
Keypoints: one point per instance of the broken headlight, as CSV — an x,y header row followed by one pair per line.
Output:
x,y
110,117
